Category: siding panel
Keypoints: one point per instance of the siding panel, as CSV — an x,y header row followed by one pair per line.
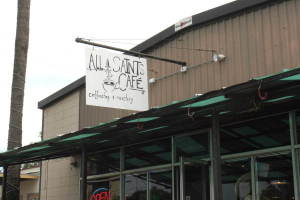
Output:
x,y
257,42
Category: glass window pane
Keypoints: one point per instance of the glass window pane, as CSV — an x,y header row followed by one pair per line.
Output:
x,y
149,154
103,162
136,187
256,134
275,178
161,185
192,146
196,180
104,189
236,179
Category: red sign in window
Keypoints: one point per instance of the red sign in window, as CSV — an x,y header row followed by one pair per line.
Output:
x,y
100,194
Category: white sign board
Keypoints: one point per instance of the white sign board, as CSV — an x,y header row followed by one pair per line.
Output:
x,y
183,23
116,80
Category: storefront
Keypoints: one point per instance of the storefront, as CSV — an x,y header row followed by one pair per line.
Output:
x,y
258,158
215,129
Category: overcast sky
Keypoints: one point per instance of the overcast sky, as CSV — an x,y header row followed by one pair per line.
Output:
x,y
55,60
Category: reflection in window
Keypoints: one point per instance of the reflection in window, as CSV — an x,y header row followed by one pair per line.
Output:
x,y
236,179
103,162
136,187
192,146
104,189
275,178
256,134
196,180
149,154
161,185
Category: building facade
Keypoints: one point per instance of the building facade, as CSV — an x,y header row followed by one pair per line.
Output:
x,y
258,38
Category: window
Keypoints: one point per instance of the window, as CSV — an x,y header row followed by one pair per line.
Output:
x,y
105,189
275,178
192,146
196,182
149,154
256,134
103,162
236,179
136,187
161,185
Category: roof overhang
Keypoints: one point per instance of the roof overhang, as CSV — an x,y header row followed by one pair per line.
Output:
x,y
261,96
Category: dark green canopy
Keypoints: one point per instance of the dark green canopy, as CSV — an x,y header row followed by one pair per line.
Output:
x,y
259,96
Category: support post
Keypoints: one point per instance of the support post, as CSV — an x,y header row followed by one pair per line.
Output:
x,y
216,160
148,186
182,179
4,183
173,167
122,176
83,179
253,178
294,151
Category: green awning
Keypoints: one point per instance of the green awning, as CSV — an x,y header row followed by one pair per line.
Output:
x,y
175,118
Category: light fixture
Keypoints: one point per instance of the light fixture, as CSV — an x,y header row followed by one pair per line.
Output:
x,y
152,80
279,182
218,57
183,69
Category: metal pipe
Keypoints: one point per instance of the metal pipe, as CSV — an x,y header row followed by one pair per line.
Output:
x,y
4,183
147,169
83,178
135,53
256,152
132,171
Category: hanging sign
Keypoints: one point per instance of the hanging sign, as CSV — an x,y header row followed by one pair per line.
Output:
x,y
116,80
100,194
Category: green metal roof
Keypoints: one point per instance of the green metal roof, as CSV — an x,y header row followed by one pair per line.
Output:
x,y
78,137
35,148
206,102
292,78
143,119
177,117
279,99
153,129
